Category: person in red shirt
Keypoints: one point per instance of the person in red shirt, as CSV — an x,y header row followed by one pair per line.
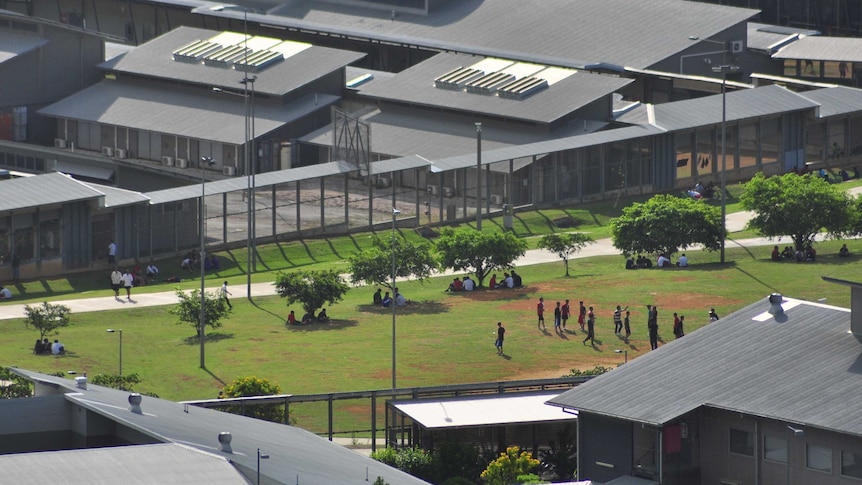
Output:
x,y
493,283
540,311
456,285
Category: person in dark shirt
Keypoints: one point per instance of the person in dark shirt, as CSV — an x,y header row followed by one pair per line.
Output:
x,y
501,332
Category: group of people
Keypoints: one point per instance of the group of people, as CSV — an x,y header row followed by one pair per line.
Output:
x,y
510,280
308,318
663,261
122,280
45,347
700,191
458,285
386,301
192,259
806,253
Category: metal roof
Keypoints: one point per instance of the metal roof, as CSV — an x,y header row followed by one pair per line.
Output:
x,y
241,183
462,412
741,105
203,115
294,454
768,38
415,86
153,59
116,197
835,101
747,362
401,163
553,32
129,465
84,170
47,189
819,48
13,45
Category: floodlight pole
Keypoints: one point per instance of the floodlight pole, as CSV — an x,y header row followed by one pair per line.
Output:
x,y
724,69
395,212
205,161
478,176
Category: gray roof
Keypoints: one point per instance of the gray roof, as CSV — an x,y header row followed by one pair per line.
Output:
x,y
765,37
554,32
154,59
117,197
741,105
47,189
13,45
819,48
201,114
480,411
416,86
747,362
129,465
294,454
835,101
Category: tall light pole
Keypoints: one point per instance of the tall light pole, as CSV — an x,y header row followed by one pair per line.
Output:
x,y
111,330
205,162
248,168
260,456
724,69
395,212
478,176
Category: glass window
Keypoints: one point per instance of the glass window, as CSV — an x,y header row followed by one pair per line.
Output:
x,y
683,156
837,70
5,254
851,464
748,144
810,69
774,448
704,152
741,442
818,458
50,239
770,140
615,177
568,176
24,243
790,67
815,141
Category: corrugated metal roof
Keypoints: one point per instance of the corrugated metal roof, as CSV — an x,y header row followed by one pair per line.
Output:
x,y
462,412
84,170
294,454
835,101
748,362
741,105
415,86
47,189
763,36
554,32
116,197
819,48
241,183
13,45
401,163
153,59
202,115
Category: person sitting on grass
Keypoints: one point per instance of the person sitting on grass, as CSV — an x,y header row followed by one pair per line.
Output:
x,y
187,264
455,285
517,282
844,252
509,282
400,299
378,296
493,283
5,293
776,254
307,319
663,261
38,348
469,285
57,348
387,300
291,319
322,316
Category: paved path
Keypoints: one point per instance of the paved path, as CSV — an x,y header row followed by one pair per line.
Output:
x,y
735,222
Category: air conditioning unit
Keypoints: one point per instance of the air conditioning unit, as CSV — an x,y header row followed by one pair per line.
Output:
x,y
59,143
229,171
181,163
108,151
168,161
120,153
384,182
433,189
496,199
448,192
736,46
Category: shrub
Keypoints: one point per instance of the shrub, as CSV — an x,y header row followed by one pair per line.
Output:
x,y
511,464
255,386
414,461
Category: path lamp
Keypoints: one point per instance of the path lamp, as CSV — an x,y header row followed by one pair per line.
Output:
x,y
260,456
625,352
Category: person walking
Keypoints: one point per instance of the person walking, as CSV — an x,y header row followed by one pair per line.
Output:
x,y
558,318
116,282
678,323
582,315
652,326
566,312
128,281
591,328
713,317
225,293
501,332
540,311
618,320
627,325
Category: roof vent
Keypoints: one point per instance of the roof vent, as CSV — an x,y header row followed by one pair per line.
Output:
x,y
775,300
135,403
81,382
224,441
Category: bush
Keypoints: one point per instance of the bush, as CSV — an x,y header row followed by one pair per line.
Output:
x,y
457,460
19,386
255,386
414,461
511,465
595,371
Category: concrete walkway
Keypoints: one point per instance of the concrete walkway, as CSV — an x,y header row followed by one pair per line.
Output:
x,y
603,247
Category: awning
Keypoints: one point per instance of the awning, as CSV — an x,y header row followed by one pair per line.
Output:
x,y
86,171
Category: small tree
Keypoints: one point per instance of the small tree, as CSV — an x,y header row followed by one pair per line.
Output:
x,y
123,383
374,265
17,387
512,464
188,310
311,289
478,252
561,457
565,245
47,318
799,207
665,224
255,386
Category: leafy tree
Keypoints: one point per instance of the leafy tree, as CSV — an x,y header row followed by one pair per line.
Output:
x,y
47,318
188,310
414,461
664,224
511,464
565,245
478,252
123,383
797,206
374,265
453,460
18,387
255,386
857,216
561,457
312,289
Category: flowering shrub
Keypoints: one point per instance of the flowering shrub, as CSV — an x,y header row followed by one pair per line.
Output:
x,y
506,469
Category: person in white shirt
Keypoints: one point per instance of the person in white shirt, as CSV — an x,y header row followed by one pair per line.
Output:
x,y
469,285
128,281
116,282
57,347
663,261
400,300
225,293
509,281
5,293
682,262
152,271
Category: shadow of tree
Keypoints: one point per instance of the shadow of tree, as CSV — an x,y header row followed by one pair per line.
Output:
x,y
211,337
412,308
332,324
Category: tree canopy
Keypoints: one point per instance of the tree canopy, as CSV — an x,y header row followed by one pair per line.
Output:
x,y
374,265
477,252
665,224
311,289
565,245
797,206
188,309
47,318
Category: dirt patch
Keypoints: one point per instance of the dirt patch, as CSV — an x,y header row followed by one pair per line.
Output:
x,y
681,302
